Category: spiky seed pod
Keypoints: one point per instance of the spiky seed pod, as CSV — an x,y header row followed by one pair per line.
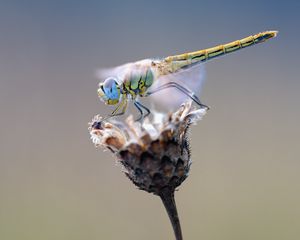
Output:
x,y
155,154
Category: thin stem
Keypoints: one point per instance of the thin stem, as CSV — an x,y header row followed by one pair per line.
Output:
x,y
167,197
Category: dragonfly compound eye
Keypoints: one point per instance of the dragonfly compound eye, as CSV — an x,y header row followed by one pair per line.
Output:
x,y
101,93
109,91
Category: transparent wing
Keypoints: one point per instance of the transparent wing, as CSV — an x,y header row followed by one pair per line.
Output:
x,y
171,98
120,72
117,72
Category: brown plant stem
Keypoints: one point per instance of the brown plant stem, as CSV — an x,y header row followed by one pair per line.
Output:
x,y
167,196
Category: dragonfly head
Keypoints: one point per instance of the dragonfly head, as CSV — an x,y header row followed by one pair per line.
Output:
x,y
109,91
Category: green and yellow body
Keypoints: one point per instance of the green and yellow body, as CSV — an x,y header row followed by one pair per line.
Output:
x,y
174,63
137,82
141,75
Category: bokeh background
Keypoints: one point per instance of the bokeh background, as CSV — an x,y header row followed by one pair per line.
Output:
x,y
245,177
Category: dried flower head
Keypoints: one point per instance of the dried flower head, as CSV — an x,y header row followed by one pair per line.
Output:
x,y
155,154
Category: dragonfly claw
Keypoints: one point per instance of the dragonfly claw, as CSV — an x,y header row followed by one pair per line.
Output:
x,y
204,106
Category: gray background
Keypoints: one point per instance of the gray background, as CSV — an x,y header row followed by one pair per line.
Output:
x,y
244,181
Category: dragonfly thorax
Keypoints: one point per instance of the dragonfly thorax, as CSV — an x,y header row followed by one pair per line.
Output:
x,y
137,82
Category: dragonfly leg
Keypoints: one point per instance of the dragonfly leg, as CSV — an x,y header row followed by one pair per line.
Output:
x,y
184,90
145,108
122,105
140,108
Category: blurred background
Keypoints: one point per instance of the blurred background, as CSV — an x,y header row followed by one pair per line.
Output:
x,y
54,184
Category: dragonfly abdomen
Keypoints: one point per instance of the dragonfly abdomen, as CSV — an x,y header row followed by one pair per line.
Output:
x,y
188,59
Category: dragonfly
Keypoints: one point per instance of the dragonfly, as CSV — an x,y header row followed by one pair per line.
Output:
x,y
146,77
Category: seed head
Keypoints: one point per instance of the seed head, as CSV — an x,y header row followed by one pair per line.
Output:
x,y
155,154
